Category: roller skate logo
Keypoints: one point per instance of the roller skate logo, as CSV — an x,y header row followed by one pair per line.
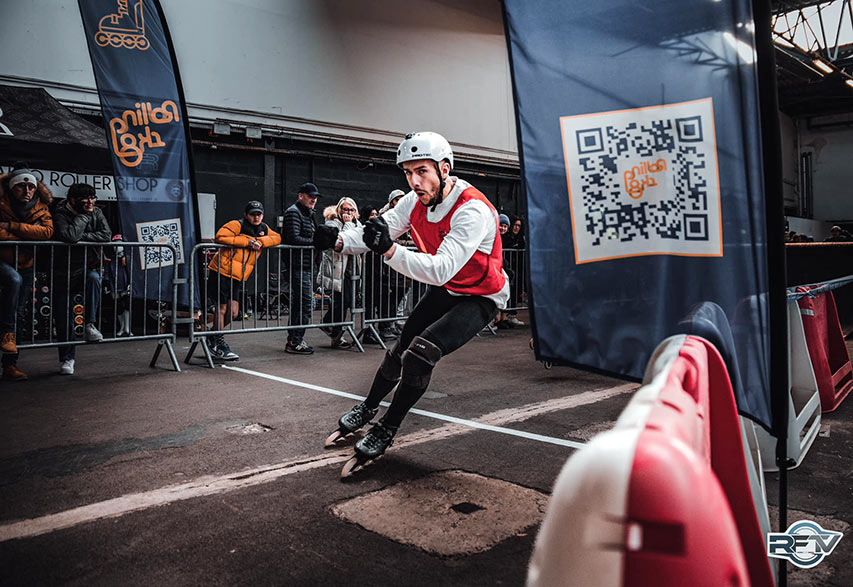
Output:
x,y
122,29
131,134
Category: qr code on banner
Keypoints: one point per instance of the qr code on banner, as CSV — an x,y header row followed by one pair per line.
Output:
x,y
160,232
644,182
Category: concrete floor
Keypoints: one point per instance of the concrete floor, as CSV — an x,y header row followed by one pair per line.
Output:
x,y
124,474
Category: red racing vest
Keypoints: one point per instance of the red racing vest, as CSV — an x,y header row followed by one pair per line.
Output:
x,y
483,274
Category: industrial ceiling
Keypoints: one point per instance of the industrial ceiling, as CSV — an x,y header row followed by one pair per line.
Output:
x,y
814,57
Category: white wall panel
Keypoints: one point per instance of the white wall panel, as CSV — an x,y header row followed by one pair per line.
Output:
x,y
371,69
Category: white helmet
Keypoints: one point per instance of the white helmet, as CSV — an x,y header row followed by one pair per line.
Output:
x,y
424,145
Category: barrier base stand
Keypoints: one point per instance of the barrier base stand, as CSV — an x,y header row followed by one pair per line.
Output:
x,y
207,356
372,330
357,342
170,349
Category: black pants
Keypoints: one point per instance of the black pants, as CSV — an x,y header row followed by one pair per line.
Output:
x,y
448,322
339,304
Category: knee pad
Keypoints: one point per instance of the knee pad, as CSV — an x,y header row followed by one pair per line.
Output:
x,y
392,364
418,362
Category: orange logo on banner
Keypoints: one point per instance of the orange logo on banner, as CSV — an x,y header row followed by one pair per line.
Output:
x,y
129,146
123,30
639,177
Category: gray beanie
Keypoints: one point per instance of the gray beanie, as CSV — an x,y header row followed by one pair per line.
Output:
x,y
504,219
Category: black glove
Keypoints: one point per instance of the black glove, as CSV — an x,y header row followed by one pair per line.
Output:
x,y
325,237
376,236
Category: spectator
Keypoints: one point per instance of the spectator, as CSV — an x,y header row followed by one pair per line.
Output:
x,y
336,271
233,266
399,288
513,242
375,289
503,227
24,216
366,213
838,235
117,283
330,213
300,228
78,269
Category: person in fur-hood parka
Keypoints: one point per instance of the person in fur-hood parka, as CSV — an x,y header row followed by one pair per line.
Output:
x,y
24,215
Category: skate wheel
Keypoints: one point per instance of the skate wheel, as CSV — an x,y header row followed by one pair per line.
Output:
x,y
351,466
547,364
332,439
531,344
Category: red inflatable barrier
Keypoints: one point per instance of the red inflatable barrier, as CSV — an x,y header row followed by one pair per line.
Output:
x,y
827,348
664,497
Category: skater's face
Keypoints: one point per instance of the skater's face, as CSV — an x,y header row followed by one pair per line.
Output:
x,y
423,178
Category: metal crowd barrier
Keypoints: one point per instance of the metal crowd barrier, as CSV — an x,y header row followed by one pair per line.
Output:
x,y
271,297
61,282
515,265
388,297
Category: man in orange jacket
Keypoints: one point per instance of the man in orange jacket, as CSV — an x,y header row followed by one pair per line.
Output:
x,y
24,216
233,266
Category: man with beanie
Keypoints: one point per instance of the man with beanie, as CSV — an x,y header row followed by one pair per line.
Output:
x,y
78,269
301,229
24,216
231,267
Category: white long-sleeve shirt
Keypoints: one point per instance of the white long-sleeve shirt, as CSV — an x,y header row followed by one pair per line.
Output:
x,y
473,227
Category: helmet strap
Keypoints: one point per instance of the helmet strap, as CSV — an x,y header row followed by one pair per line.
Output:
x,y
441,184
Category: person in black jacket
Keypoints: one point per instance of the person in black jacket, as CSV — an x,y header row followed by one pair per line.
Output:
x,y
299,229
77,219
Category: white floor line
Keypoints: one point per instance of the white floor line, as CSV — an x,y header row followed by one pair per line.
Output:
x,y
571,401
210,485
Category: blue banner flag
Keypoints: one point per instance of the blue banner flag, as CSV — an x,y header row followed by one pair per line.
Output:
x,y
147,132
640,143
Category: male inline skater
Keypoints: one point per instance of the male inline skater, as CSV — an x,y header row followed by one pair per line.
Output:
x,y
459,257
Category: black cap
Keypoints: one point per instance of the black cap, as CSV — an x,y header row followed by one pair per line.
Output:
x,y
254,206
310,189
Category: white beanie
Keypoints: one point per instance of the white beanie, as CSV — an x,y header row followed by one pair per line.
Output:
x,y
21,174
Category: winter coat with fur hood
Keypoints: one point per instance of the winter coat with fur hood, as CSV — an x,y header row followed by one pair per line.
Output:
x,y
37,225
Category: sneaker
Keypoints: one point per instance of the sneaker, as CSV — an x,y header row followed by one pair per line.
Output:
x,y
66,367
298,349
7,343
369,338
341,343
514,321
12,373
223,352
92,334
388,334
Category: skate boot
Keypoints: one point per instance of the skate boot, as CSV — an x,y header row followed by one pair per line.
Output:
x,y
374,444
349,423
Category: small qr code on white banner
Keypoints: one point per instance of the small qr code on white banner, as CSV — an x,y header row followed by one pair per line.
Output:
x,y
644,182
160,232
